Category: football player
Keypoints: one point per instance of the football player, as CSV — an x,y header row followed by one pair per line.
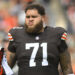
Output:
x,y
38,49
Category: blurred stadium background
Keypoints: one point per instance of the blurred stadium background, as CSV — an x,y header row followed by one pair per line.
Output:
x,y
59,13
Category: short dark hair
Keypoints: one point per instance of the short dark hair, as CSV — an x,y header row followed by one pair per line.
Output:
x,y
38,7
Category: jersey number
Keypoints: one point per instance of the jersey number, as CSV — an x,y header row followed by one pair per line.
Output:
x,y
34,52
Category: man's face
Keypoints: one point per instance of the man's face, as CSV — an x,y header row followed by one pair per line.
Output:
x,y
33,21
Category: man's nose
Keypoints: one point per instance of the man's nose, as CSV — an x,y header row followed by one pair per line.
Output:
x,y
31,19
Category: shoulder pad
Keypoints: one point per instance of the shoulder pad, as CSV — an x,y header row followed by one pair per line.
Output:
x,y
17,27
60,29
62,32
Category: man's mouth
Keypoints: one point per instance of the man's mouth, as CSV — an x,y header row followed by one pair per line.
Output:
x,y
30,24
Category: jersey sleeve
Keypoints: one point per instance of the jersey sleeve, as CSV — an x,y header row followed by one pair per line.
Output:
x,y
62,35
11,37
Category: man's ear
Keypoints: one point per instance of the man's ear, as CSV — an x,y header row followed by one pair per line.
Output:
x,y
45,19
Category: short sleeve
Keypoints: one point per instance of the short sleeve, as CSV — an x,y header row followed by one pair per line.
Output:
x,y
62,36
12,44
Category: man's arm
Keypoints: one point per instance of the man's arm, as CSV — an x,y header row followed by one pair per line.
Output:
x,y
11,58
65,62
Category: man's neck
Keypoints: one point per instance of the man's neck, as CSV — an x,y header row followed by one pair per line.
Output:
x,y
42,30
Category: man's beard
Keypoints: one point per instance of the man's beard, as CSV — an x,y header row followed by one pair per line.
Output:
x,y
35,29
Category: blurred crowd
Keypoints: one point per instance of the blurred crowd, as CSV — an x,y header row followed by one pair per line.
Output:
x,y
69,7
12,15
11,12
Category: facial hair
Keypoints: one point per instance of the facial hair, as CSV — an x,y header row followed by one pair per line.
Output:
x,y
35,29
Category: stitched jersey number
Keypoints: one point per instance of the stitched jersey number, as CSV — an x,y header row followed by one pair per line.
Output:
x,y
34,52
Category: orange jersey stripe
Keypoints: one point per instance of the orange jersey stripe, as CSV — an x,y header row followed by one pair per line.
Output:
x,y
64,38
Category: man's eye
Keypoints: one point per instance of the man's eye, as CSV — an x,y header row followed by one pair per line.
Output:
x,y
34,16
31,16
27,16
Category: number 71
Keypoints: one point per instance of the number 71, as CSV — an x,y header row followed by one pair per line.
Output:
x,y
34,52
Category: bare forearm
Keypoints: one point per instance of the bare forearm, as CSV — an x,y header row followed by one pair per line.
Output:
x,y
65,62
10,58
